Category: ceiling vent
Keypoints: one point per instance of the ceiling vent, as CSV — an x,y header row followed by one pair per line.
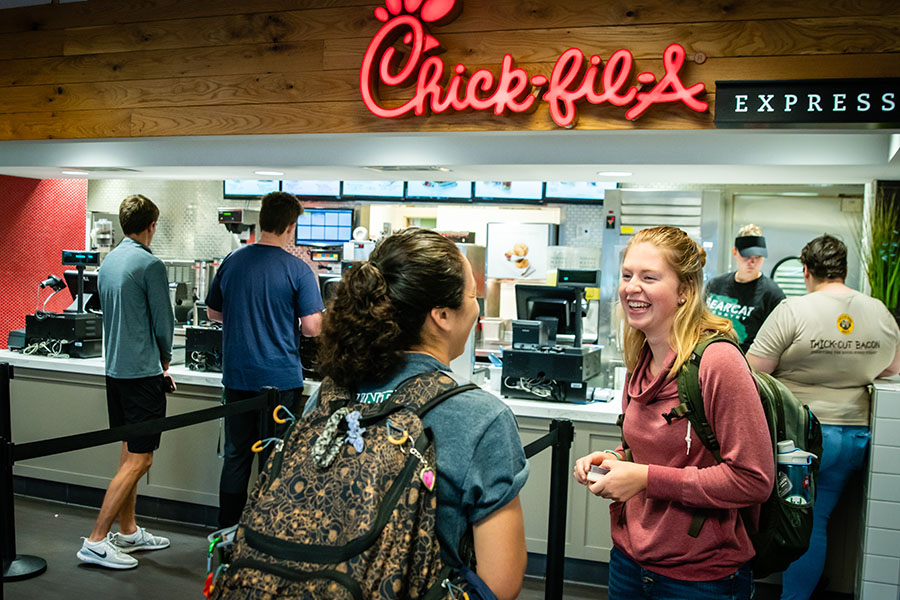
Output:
x,y
408,169
104,169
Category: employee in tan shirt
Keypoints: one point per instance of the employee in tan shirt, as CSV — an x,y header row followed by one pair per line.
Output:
x,y
827,347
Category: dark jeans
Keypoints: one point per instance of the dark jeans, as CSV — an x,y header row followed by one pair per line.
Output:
x,y
628,581
241,432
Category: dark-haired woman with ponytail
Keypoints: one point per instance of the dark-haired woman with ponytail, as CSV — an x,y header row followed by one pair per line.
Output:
x,y
409,310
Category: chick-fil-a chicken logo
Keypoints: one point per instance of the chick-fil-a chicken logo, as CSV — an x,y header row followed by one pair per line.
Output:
x,y
572,80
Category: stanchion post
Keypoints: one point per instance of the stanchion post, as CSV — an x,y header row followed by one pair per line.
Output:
x,y
559,492
15,566
6,497
6,503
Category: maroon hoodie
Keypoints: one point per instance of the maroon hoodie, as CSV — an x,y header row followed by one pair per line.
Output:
x,y
654,528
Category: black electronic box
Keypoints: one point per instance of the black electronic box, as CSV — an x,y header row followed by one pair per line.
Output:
x,y
203,348
309,347
81,333
558,374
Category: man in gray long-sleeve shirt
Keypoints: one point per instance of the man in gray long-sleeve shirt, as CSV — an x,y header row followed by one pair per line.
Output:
x,y
138,324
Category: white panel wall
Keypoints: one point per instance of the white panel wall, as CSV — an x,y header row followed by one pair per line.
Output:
x,y
880,567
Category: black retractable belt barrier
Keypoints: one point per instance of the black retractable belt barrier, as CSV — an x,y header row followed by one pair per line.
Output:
x,y
23,567
562,432
265,402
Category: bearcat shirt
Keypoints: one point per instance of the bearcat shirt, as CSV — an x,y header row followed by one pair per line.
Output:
x,y
746,305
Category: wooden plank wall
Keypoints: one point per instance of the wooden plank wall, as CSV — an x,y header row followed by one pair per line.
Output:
x,y
136,68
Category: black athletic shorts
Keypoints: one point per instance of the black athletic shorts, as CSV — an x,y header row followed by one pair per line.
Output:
x,y
135,401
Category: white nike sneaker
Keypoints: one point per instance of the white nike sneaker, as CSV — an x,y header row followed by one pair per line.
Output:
x,y
105,554
139,540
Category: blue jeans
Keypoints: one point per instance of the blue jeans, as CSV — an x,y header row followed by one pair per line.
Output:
x,y
628,581
843,452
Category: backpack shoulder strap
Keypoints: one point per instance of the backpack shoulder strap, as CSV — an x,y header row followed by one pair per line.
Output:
x,y
426,408
691,396
693,409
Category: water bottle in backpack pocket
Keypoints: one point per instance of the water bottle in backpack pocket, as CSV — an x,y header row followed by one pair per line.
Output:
x,y
793,481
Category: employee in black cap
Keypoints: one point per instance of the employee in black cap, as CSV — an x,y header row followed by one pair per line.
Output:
x,y
745,296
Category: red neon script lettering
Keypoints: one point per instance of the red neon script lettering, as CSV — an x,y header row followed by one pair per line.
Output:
x,y
571,81
511,91
669,88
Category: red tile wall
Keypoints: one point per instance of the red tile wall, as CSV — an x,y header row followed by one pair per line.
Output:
x,y
38,219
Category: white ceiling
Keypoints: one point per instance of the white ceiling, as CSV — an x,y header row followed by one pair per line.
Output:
x,y
726,157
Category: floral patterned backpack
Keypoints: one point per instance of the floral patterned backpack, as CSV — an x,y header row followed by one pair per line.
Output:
x,y
346,507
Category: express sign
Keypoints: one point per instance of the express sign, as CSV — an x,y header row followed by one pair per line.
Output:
x,y
513,90
808,103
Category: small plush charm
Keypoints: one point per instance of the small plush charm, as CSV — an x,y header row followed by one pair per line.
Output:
x,y
355,432
427,476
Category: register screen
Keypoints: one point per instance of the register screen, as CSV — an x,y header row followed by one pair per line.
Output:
x,y
321,226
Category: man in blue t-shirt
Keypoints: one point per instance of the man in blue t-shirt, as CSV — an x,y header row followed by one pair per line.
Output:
x,y
265,299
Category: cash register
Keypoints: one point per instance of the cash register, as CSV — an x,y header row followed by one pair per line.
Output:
x,y
547,360
78,330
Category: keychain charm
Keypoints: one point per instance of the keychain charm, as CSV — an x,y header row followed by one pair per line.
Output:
x,y
355,432
426,474
428,478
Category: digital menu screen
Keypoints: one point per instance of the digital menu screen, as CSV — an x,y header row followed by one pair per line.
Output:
x,y
374,189
456,190
318,226
249,188
312,187
510,190
578,190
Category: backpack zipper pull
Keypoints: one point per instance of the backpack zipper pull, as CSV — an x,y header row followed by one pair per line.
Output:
x,y
687,439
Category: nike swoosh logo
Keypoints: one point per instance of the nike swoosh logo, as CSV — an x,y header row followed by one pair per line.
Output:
x,y
97,553
122,542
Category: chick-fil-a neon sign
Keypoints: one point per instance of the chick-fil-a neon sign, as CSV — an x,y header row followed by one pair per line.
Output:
x,y
572,80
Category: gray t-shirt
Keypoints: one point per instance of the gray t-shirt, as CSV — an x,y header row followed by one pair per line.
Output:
x,y
830,346
138,322
481,465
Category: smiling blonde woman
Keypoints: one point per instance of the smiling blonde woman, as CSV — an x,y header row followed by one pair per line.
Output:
x,y
657,493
